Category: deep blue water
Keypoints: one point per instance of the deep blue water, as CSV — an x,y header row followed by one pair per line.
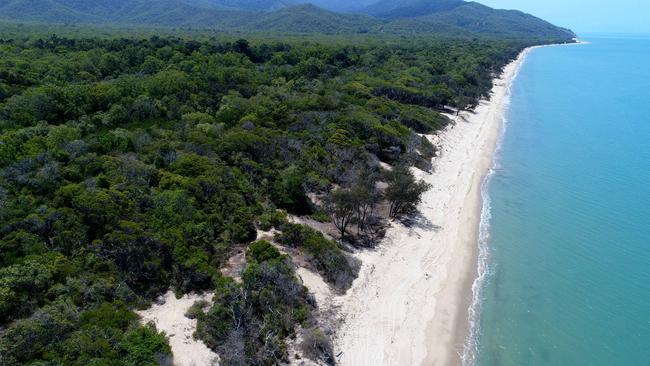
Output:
x,y
570,205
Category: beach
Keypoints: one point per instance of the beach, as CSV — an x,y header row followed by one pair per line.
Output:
x,y
410,304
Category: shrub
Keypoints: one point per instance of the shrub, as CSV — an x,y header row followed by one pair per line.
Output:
x,y
196,311
144,346
328,259
248,323
272,218
317,346
262,251
288,191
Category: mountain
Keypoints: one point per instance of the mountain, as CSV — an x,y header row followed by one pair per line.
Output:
x,y
440,17
342,5
481,19
269,5
469,16
251,5
409,8
309,18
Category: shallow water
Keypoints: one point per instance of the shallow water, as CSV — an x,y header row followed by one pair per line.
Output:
x,y
569,245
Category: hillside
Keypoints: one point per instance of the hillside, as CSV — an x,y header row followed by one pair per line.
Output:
x,y
249,5
478,18
309,18
442,17
409,8
469,16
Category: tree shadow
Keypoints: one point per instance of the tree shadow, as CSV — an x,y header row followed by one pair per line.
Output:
x,y
419,221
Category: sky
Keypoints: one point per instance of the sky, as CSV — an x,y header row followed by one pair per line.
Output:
x,y
586,16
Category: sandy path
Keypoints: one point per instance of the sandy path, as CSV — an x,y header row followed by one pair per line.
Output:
x,y
409,305
169,317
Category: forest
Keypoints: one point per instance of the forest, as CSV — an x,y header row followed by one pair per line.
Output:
x,y
132,165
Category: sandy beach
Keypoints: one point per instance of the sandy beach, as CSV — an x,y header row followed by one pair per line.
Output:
x,y
168,315
410,304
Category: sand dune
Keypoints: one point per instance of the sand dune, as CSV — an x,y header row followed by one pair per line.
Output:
x,y
169,316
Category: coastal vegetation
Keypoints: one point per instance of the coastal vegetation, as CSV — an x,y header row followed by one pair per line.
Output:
x,y
132,165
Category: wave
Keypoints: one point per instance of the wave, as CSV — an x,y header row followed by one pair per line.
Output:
x,y
471,346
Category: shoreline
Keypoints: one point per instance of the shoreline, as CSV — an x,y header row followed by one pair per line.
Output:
x,y
412,300
468,334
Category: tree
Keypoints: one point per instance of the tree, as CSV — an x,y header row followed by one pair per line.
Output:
x,y
404,192
242,46
288,191
145,346
341,204
142,259
464,102
366,198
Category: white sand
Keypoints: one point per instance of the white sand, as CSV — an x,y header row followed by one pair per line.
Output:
x,y
316,285
170,318
409,305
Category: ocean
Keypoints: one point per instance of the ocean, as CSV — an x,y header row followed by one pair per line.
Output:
x,y
568,212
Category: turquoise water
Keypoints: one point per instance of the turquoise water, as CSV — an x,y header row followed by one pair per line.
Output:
x,y
569,242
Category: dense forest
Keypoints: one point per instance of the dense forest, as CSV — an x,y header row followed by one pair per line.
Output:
x,y
129,166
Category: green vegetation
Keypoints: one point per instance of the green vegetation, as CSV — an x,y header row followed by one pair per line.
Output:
x,y
324,255
462,17
248,323
446,18
404,192
129,166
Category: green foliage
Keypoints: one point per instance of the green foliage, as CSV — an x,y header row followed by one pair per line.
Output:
x,y
143,346
23,285
272,218
196,311
108,315
404,192
262,251
248,323
141,258
320,216
129,166
327,258
289,191
35,337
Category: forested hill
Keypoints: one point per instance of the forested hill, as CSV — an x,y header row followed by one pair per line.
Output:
x,y
440,17
409,8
